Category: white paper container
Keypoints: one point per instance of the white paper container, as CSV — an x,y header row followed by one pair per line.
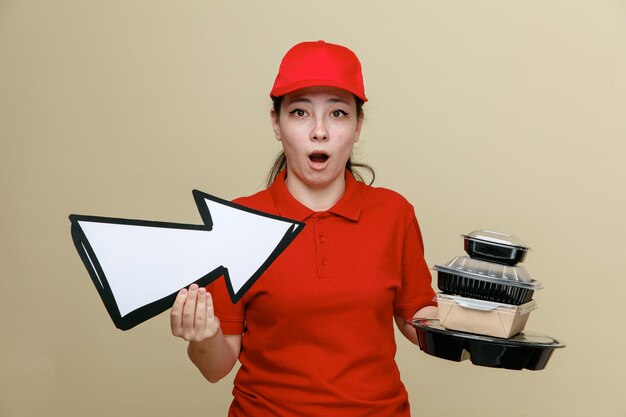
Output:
x,y
483,317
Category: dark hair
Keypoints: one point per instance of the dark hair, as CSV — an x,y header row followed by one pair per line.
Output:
x,y
280,163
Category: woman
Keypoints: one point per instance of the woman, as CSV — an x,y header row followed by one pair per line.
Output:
x,y
314,334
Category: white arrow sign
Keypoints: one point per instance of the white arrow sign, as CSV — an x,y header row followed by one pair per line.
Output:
x,y
138,266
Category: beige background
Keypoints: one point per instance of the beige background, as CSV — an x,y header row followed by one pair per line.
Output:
x,y
508,115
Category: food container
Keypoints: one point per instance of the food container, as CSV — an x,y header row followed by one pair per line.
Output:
x,y
495,247
483,317
482,280
526,350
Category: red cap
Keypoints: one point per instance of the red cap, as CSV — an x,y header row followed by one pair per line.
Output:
x,y
309,64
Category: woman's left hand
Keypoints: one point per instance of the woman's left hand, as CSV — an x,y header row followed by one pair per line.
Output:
x,y
407,329
428,312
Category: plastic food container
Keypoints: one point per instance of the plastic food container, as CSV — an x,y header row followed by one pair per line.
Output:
x,y
526,350
483,317
495,247
482,280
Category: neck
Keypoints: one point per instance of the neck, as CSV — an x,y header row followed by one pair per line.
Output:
x,y
316,198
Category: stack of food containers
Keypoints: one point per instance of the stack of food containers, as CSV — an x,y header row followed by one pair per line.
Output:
x,y
487,293
484,304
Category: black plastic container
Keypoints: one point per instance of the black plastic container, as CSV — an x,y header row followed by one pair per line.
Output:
x,y
482,290
494,247
485,281
526,350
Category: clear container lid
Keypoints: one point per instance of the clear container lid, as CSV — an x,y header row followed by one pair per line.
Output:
x,y
496,237
483,305
489,271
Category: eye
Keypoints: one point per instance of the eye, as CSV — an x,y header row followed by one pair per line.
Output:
x,y
338,113
298,112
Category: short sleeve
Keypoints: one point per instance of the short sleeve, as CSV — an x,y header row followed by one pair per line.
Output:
x,y
416,291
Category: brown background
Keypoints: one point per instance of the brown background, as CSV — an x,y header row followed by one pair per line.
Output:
x,y
505,115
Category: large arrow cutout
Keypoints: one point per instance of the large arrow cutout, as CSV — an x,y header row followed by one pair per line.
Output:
x,y
139,266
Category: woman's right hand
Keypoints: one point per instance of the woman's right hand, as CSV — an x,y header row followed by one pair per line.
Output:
x,y
192,317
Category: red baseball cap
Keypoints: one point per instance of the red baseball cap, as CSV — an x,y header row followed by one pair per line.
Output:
x,y
309,64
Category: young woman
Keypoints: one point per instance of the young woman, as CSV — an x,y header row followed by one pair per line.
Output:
x,y
314,335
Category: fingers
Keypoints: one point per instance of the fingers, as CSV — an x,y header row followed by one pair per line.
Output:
x,y
212,322
201,312
189,312
210,313
192,317
176,315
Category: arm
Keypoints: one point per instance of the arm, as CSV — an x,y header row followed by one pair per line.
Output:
x,y
192,319
407,329
416,282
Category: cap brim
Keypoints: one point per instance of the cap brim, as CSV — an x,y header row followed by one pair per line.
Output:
x,y
290,88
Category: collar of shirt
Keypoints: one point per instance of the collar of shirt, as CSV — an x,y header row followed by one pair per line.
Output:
x,y
348,206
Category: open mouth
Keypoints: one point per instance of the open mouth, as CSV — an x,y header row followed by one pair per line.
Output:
x,y
318,157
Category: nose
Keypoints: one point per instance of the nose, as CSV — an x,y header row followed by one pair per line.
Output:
x,y
320,130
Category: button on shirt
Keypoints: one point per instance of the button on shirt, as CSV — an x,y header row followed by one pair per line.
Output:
x,y
318,329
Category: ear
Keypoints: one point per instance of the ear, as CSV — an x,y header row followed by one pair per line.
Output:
x,y
275,124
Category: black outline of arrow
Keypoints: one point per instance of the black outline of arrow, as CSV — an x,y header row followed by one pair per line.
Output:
x,y
137,316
